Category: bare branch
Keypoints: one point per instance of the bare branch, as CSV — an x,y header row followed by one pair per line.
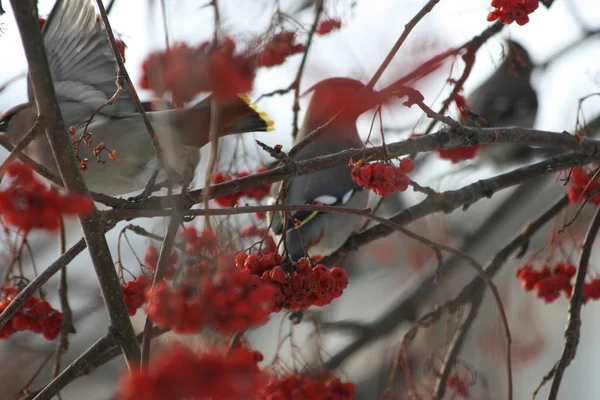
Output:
x,y
573,331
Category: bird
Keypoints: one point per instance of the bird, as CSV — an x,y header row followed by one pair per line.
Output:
x,y
84,72
506,99
319,234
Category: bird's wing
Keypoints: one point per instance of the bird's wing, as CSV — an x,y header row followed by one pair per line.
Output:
x,y
495,102
81,62
332,187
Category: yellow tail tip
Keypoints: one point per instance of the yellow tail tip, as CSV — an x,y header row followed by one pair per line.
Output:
x,y
265,117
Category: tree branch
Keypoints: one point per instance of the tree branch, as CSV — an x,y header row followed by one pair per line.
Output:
x,y
406,307
51,117
572,333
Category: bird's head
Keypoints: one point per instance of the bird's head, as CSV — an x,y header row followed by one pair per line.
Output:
x,y
517,58
11,119
346,96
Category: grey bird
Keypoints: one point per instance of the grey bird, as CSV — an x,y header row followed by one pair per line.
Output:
x,y
84,72
317,233
506,99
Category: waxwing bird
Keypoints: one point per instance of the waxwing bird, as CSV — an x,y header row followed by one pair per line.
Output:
x,y
84,72
317,233
506,99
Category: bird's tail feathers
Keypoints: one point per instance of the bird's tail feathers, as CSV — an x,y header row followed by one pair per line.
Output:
x,y
237,116
252,120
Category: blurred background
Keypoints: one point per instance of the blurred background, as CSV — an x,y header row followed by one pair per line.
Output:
x,y
564,42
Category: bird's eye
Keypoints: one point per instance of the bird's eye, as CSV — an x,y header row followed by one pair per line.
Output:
x,y
4,122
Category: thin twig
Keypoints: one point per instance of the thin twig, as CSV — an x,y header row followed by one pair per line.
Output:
x,y
163,260
163,9
25,140
110,6
405,308
573,331
455,347
122,74
67,324
296,84
407,30
43,277
51,118
46,173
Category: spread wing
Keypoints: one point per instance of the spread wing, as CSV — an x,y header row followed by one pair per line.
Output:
x,y
82,63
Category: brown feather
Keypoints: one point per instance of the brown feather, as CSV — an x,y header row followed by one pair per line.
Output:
x,y
194,123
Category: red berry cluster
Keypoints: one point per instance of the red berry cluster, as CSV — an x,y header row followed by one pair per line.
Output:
x,y
257,263
458,385
27,203
548,282
309,387
383,177
175,308
237,300
591,290
133,293
256,193
328,26
305,287
185,71
200,243
36,315
230,200
151,261
278,49
509,11
178,373
457,154
231,301
584,186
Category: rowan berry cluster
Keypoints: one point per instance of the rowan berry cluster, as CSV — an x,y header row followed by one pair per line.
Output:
x,y
458,154
509,11
257,263
328,26
28,203
461,153
134,293
548,282
278,49
178,373
458,385
185,71
230,301
383,177
306,386
591,290
256,193
36,315
236,300
584,186
306,286
151,261
200,243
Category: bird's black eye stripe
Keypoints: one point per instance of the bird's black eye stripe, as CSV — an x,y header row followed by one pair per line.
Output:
x,y
5,121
